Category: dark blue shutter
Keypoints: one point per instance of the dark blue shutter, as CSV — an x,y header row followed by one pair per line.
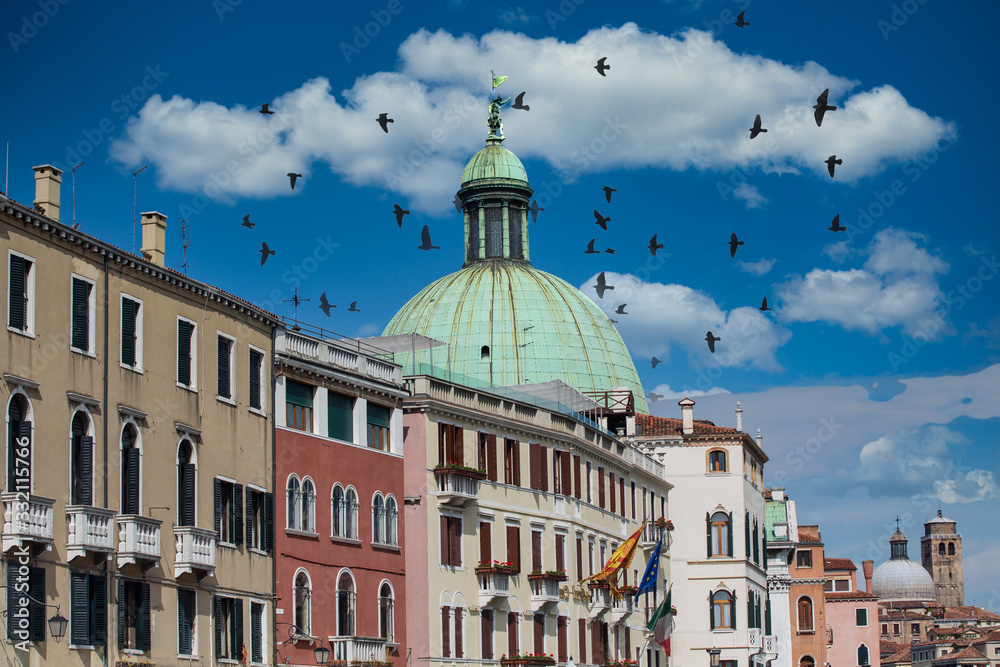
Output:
x,y
36,586
184,352
268,522
18,314
237,632
184,622
224,345
237,506
98,610
256,633
132,480
128,331
79,614
188,489
255,359
217,487
86,470
143,623
218,627
250,520
81,314
122,616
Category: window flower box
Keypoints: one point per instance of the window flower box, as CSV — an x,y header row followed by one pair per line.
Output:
x,y
528,660
666,524
628,591
453,468
496,567
550,575
594,585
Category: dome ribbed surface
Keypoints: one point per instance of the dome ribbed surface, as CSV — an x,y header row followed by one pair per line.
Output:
x,y
902,579
537,326
494,162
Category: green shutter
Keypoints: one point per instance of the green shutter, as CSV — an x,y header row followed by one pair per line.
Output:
x,y
18,294
746,530
378,415
99,610
184,330
36,586
143,623
184,609
81,314
256,632
128,331
708,533
711,611
224,371
299,394
340,421
79,616
729,530
255,359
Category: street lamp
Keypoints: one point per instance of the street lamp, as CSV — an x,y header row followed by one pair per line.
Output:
x,y
57,626
322,654
713,655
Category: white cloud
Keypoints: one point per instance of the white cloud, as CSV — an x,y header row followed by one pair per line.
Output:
x,y
665,392
661,317
515,16
974,486
839,252
758,268
750,194
896,287
673,102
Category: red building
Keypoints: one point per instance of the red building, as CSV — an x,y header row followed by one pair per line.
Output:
x,y
339,543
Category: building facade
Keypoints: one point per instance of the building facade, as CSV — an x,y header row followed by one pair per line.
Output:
x,y
941,556
806,600
782,534
139,485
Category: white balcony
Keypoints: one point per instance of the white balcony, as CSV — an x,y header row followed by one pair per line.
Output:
x,y
492,585
138,540
26,518
356,650
622,608
651,533
544,590
600,599
770,645
91,529
457,487
195,551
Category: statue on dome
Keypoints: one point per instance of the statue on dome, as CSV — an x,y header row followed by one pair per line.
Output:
x,y
494,123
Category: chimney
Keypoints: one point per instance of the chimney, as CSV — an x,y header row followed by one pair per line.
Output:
x,y
739,417
687,415
778,493
867,566
154,237
47,181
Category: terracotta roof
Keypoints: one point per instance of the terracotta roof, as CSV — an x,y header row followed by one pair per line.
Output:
x,y
901,615
767,494
652,425
970,612
899,657
809,534
968,654
850,595
887,647
838,564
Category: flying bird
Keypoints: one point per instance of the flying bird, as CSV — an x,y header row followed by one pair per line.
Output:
x,y
733,244
740,23
607,192
655,361
325,305
400,212
756,129
654,246
621,309
763,305
610,251
264,252
612,321
535,208
519,103
711,341
294,177
246,222
457,202
654,397
602,286
601,67
384,120
354,307
265,110
830,162
835,225
822,107
601,220
425,240
590,248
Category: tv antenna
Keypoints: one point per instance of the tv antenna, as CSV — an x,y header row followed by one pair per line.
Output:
x,y
185,242
73,173
135,189
295,301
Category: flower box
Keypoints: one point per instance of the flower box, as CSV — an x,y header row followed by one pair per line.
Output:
x,y
528,661
491,569
594,585
460,470
547,576
628,591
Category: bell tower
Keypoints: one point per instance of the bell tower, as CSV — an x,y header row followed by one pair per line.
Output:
x,y
941,556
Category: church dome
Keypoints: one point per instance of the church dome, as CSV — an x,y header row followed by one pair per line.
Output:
x,y
494,162
902,579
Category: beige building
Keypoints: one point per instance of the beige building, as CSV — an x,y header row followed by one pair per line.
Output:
x,y
138,500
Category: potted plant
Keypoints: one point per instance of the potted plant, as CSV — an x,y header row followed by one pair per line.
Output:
x,y
548,575
496,567
456,468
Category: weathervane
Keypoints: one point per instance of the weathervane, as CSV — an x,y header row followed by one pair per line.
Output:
x,y
494,123
295,301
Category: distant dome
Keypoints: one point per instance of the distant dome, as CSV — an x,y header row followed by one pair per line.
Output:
x,y
902,579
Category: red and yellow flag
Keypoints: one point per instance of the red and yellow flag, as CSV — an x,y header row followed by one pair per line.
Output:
x,y
621,558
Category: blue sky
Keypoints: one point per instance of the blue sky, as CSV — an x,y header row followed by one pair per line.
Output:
x,y
874,379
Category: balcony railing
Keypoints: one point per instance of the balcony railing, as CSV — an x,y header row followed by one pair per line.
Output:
x,y
354,650
544,589
651,532
195,550
26,518
457,486
600,598
622,608
90,529
138,539
493,583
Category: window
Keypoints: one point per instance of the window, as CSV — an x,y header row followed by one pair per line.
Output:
x,y
378,427
340,417
301,505
538,466
18,446
344,509
302,610
186,489
81,460
486,617
512,462
951,548
36,616
229,512
390,522
131,333
885,628
941,549
256,373
451,540
225,376
487,459
21,302
256,632
228,628
862,655
82,315
720,534
133,615
187,356
803,558
915,628
717,461
298,406
451,448
895,629
514,546
260,520
337,509
345,605
187,612
722,611
386,613
89,609
308,512
513,632
536,551
450,616
861,618
131,473
294,520
807,661
378,519
805,614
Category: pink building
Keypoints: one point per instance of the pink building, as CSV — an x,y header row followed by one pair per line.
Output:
x,y
851,618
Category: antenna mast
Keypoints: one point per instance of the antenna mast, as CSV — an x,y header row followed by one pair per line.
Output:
x,y
135,188
73,173
295,301
185,242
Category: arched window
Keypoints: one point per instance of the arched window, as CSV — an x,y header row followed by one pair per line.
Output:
x,y
18,442
81,460
294,503
378,519
807,661
337,510
722,610
941,549
185,484
345,605
717,461
302,614
308,509
390,521
351,514
862,656
130,470
951,548
386,618
720,534
805,607
484,352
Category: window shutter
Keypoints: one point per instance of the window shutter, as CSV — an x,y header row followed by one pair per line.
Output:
x,y
456,541
36,586
611,490
576,476
579,558
143,624
268,536
379,415
184,622
218,627
732,607
729,532
533,474
539,627
711,612
756,543
600,487
184,352
491,457
340,417
750,610
442,440
485,542
458,438
512,633
514,546
562,651
583,639
132,464
567,481
543,468
223,348
487,639
299,394
256,633
708,533
517,463
128,332
99,610
250,520
121,613
86,470
621,496
560,552
237,634
18,301
79,616
81,314
746,525
445,541
238,510
767,616
446,632
536,550
459,636
188,489
217,488
255,362
24,433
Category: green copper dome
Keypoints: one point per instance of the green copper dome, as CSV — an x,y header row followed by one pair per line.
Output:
x,y
494,162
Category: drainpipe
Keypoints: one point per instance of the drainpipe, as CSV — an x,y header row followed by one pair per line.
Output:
x,y
274,490
104,421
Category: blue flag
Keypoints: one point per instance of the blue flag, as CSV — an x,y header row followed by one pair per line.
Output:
x,y
648,582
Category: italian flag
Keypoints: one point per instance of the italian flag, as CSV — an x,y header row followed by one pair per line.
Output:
x,y
659,625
